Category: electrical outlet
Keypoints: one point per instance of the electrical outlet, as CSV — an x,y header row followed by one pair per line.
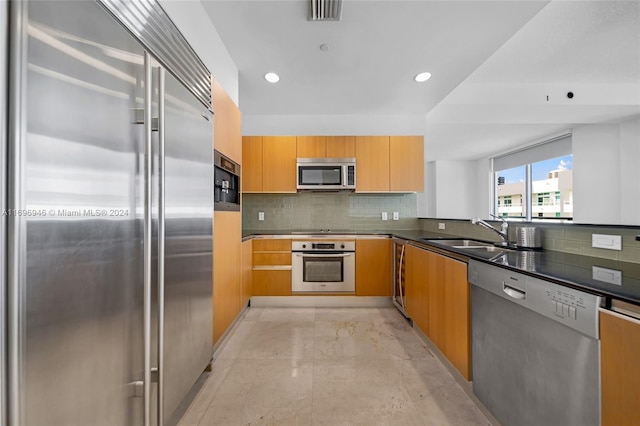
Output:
x,y
441,225
260,216
396,215
609,242
384,216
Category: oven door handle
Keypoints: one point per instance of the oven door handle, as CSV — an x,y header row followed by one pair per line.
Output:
x,y
324,255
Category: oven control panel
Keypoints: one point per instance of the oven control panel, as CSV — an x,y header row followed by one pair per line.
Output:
x,y
325,246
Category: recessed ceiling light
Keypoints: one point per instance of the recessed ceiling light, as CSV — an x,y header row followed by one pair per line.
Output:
x,y
272,77
423,76
324,47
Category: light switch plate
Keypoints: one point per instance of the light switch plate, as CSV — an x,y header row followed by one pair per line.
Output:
x,y
609,242
260,216
611,276
384,216
396,215
441,225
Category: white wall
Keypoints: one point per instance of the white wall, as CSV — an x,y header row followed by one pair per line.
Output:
x,y
596,177
256,125
484,189
451,190
194,23
427,200
630,172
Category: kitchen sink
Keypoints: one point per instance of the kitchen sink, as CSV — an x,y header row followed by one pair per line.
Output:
x,y
474,245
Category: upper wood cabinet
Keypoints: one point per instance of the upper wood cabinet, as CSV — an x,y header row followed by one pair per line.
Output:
x,y
251,164
372,163
383,163
312,146
279,164
269,164
341,146
373,267
620,346
406,163
326,146
227,123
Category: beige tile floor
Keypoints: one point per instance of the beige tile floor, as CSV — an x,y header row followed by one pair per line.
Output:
x,y
322,366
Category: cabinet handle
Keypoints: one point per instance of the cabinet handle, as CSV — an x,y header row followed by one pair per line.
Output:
x,y
272,268
146,310
161,246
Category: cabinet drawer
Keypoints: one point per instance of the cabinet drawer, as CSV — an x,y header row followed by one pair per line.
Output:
x,y
271,283
271,259
283,244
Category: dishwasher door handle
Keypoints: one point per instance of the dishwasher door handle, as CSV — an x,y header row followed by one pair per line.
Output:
x,y
513,292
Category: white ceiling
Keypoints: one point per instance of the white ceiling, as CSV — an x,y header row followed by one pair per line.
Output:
x,y
493,64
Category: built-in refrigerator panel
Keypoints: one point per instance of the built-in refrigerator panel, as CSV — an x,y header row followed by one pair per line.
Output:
x,y
4,76
77,293
188,312
109,256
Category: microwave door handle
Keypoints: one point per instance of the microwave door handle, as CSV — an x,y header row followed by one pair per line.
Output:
x,y
345,175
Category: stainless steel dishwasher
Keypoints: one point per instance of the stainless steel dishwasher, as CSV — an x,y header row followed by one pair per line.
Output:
x,y
535,349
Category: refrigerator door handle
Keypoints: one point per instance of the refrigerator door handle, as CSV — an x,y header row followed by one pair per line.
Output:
x,y
161,245
147,239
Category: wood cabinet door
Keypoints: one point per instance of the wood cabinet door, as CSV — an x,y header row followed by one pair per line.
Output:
x,y
417,286
227,257
373,267
227,127
620,371
279,163
246,273
372,164
251,164
341,146
436,273
406,163
457,326
272,283
311,146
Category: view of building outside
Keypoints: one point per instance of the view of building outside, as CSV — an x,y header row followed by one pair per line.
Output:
x,y
552,189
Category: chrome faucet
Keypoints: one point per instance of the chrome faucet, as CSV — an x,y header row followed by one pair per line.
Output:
x,y
504,234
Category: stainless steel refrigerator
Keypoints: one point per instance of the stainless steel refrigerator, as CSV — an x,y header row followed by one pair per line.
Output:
x,y
107,226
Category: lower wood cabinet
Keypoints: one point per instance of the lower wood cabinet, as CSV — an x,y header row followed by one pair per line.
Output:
x,y
619,350
272,267
227,257
437,300
417,286
373,267
246,273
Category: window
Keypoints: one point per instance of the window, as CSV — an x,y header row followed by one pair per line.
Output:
x,y
535,182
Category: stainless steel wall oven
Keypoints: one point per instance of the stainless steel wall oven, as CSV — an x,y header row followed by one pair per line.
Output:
x,y
323,266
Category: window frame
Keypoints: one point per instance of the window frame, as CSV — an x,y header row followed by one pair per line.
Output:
x,y
528,195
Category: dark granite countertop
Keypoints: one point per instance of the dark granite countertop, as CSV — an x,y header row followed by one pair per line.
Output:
x,y
572,270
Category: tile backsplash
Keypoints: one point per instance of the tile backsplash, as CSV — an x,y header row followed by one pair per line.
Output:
x,y
330,210
571,238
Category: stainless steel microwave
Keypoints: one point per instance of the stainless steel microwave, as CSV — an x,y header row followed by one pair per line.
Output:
x,y
326,174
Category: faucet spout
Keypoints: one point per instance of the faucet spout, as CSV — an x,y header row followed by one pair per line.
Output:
x,y
504,233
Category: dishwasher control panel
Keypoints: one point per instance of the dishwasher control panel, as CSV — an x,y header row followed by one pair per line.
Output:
x,y
574,308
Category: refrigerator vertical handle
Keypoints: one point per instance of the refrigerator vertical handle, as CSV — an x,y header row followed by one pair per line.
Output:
x,y
161,247
147,239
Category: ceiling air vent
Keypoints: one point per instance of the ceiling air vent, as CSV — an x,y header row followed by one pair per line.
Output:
x,y
325,10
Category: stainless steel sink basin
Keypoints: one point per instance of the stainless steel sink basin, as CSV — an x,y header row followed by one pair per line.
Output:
x,y
461,243
475,245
